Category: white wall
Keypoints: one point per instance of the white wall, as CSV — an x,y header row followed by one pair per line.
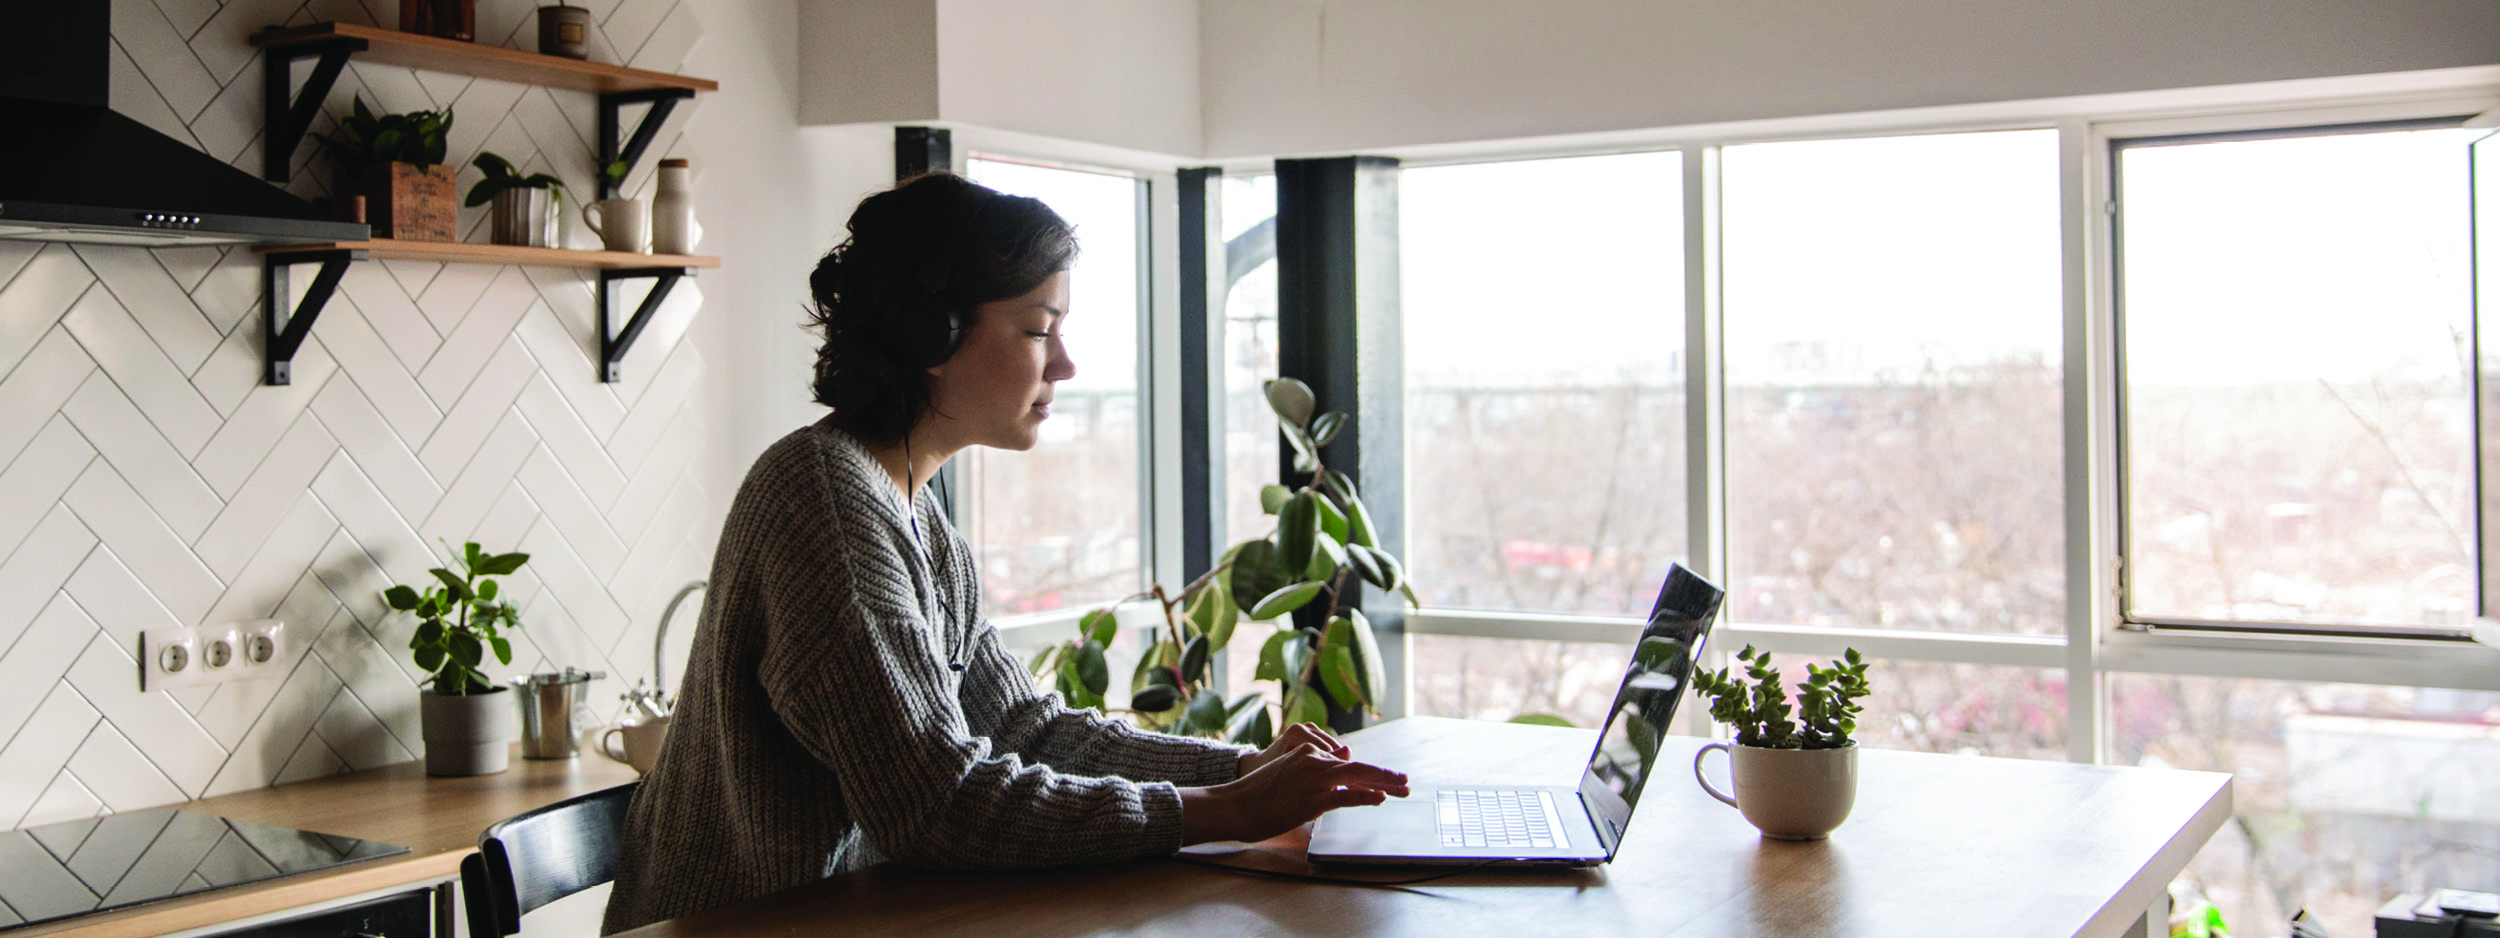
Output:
x,y
1318,76
867,60
1117,72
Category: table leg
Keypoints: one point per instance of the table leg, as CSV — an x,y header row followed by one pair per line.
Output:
x,y
2156,920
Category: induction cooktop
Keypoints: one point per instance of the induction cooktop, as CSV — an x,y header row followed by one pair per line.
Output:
x,y
76,867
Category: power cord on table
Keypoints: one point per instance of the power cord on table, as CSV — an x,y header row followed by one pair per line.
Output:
x,y
1335,880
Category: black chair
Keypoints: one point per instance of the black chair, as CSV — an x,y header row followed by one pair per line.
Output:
x,y
537,857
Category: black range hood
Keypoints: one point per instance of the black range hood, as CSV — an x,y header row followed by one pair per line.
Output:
x,y
74,170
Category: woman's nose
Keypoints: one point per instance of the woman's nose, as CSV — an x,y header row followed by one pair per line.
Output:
x,y
1060,367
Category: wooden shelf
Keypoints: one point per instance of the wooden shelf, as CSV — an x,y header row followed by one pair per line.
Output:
x,y
392,47
456,252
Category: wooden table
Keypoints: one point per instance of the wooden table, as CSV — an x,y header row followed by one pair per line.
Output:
x,y
437,819
1938,845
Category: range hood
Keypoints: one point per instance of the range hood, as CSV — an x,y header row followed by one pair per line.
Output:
x,y
74,170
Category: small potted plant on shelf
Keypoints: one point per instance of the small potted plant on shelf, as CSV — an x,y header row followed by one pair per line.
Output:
x,y
1794,779
396,162
467,718
526,207
1323,542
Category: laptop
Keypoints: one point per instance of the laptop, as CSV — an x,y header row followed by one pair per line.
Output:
x,y
1503,825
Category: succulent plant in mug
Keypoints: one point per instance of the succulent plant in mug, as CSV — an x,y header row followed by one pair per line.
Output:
x,y
1324,538
1827,703
460,620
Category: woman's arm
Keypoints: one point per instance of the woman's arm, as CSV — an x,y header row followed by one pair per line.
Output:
x,y
1002,702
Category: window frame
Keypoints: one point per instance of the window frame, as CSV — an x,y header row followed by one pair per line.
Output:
x,y
1158,353
2097,641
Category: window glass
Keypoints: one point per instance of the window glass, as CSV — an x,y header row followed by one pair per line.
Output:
x,y
1893,329
1058,526
1543,304
2297,353
2343,795
1250,437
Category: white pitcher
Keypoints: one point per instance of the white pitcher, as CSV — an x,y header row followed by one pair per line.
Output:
x,y
673,229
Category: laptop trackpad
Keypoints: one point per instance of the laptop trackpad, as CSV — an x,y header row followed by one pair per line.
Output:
x,y
1394,817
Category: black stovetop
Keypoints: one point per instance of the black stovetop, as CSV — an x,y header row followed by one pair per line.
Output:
x,y
75,867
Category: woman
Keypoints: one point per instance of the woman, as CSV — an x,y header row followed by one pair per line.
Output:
x,y
845,703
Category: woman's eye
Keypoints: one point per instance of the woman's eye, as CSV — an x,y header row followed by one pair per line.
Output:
x,y
1037,335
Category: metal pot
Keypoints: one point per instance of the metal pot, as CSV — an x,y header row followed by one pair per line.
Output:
x,y
554,712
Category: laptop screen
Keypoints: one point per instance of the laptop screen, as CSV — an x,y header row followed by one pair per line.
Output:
x,y
1653,683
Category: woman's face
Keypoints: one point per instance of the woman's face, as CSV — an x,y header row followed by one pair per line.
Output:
x,y
996,390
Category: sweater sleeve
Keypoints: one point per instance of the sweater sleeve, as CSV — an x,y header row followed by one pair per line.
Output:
x,y
1024,719
853,672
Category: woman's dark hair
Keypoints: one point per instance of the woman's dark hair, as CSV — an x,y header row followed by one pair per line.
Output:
x,y
896,297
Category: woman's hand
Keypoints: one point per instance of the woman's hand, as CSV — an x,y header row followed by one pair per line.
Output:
x,y
1294,737
1286,791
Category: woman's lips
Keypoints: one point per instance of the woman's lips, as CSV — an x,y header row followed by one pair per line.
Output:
x,y
1041,408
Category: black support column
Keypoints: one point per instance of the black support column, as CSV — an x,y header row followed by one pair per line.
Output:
x,y
920,150
1337,330
1202,369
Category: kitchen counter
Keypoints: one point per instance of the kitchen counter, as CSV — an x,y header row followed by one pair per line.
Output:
x,y
437,819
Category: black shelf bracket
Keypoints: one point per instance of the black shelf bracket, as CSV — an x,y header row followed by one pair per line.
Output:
x,y
611,127
290,115
282,333
614,343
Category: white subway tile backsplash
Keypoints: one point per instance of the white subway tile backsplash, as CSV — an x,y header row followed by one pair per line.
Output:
x,y
264,417
151,296
40,564
124,437
175,743
32,486
43,381
382,454
162,391
148,478
119,776
39,659
108,506
40,748
42,292
570,442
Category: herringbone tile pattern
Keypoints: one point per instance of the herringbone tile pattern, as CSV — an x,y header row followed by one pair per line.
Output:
x,y
148,479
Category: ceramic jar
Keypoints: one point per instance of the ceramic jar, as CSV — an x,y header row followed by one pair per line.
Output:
x,y
673,230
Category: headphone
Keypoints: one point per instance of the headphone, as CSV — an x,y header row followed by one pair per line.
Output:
x,y
931,328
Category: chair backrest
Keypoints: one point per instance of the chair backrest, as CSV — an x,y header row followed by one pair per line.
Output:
x,y
531,859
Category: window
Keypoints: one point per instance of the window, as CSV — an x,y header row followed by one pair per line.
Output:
x,y
2297,316
2344,794
1060,526
1893,317
1543,303
1251,443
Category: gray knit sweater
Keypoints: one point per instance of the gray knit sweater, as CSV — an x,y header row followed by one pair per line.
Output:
x,y
821,728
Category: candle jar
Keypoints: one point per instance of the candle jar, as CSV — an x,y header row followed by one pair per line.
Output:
x,y
564,30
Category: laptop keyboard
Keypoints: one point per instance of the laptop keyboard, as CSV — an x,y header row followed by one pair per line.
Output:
x,y
1495,819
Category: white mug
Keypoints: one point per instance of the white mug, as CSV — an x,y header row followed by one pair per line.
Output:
x,y
642,743
622,224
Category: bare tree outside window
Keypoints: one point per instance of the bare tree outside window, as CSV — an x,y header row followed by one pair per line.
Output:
x,y
1893,311
1058,526
2298,379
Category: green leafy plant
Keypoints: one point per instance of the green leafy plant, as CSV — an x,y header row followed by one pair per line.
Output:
x,y
1826,708
417,137
1323,536
460,620
613,172
501,178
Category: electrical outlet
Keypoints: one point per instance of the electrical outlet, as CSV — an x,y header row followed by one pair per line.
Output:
x,y
190,657
262,650
170,658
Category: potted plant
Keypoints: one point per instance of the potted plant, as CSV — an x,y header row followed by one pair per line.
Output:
x,y
468,719
1794,779
1323,538
525,206
396,162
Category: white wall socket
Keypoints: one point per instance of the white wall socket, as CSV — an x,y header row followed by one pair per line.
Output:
x,y
210,654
